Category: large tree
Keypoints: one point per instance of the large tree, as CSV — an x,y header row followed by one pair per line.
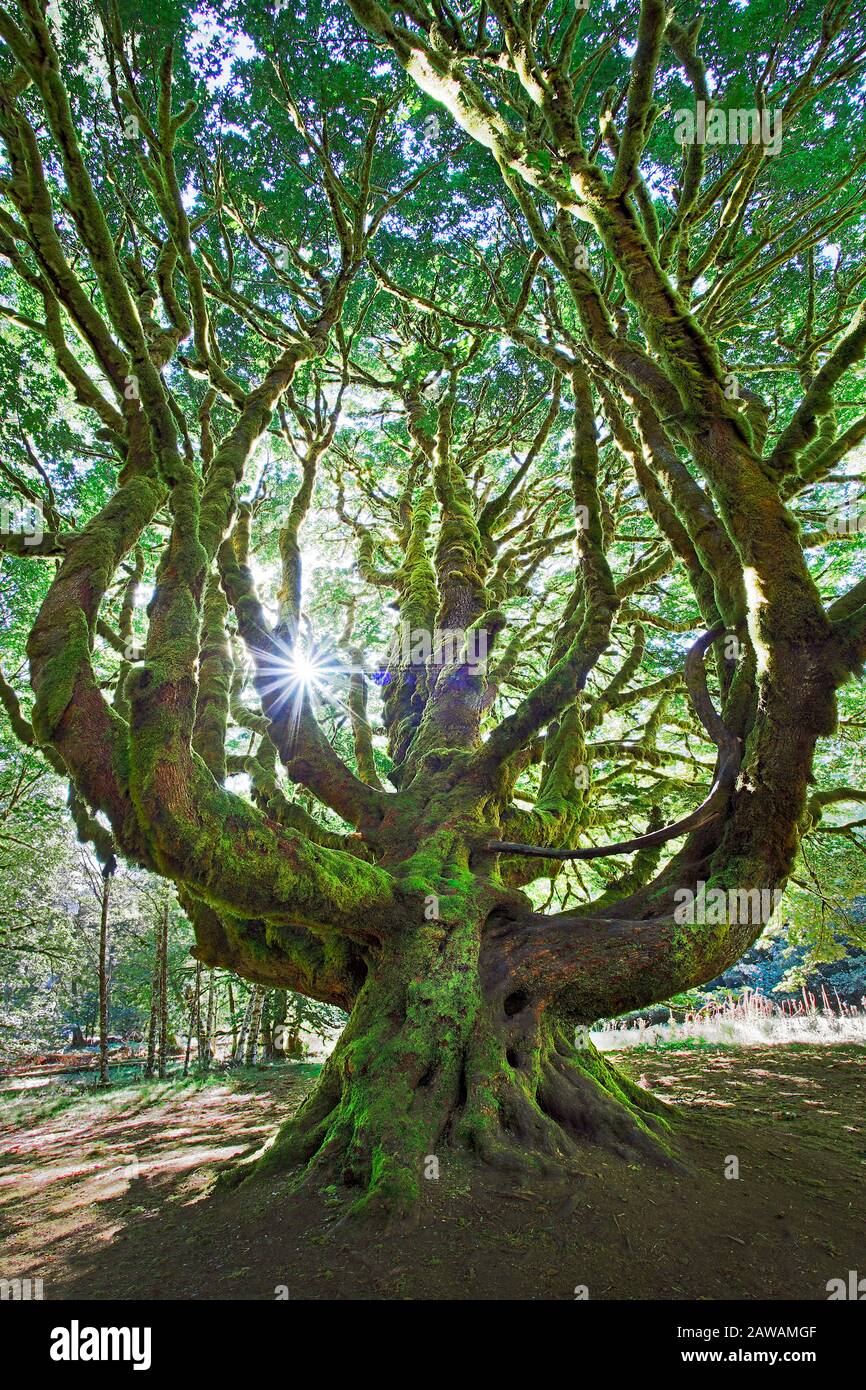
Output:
x,y
582,398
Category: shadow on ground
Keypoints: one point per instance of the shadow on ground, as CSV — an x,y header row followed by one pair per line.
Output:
x,y
107,1195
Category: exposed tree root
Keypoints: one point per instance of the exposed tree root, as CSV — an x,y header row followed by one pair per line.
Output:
x,y
534,1118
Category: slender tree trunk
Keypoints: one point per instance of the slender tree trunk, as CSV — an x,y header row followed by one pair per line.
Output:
x,y
103,981
280,1009
200,1036
163,995
267,1030
233,1023
245,1023
188,1043
153,1026
209,1026
193,1016
255,1024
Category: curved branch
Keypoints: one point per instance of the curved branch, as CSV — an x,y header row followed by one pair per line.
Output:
x,y
595,967
328,968
709,810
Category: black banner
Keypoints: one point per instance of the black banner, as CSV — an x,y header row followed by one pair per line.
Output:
x,y
160,1338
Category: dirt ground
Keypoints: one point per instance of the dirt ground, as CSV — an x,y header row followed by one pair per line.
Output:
x,y
108,1195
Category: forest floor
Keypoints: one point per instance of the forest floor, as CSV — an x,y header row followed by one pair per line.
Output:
x,y
107,1195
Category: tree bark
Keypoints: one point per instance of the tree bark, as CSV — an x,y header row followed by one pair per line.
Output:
x,y
279,1012
432,1063
163,995
255,1024
153,1025
103,982
240,1049
267,1031
233,1023
209,1026
200,1030
194,1017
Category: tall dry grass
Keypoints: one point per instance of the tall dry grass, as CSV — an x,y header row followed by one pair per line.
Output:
x,y
748,1020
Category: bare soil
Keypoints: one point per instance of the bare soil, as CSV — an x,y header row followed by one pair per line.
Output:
x,y
107,1195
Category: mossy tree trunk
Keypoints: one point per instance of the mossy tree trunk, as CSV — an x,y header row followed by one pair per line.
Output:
x,y
435,1062
391,884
